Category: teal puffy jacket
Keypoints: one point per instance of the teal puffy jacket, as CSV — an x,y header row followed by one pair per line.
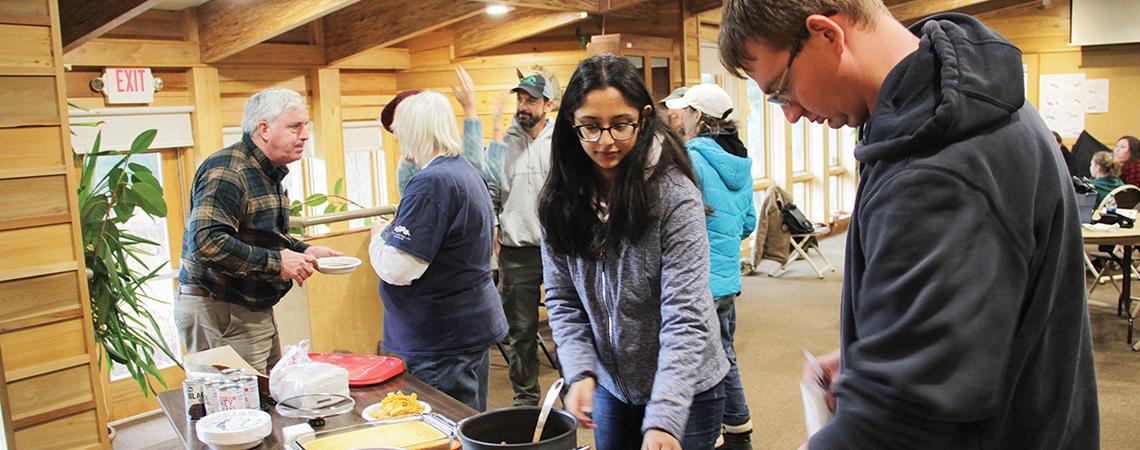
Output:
x,y
726,188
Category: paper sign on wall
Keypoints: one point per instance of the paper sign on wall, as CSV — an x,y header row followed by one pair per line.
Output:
x,y
1096,95
1063,103
128,85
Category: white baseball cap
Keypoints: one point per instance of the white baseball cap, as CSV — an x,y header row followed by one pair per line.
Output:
x,y
709,99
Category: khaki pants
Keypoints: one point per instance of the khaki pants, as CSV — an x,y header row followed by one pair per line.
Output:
x,y
204,323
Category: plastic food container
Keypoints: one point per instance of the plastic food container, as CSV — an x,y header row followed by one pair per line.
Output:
x,y
417,432
237,429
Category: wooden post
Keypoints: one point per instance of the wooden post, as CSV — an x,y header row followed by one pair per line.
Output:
x,y
206,121
328,134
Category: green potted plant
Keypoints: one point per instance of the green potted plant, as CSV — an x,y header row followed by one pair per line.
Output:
x,y
124,328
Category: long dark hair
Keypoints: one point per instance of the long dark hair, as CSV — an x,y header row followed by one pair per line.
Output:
x,y
1133,146
566,207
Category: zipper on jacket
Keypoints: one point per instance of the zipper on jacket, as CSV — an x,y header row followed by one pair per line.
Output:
x,y
612,326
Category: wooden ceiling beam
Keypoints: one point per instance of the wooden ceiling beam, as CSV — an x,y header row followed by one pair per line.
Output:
x,y
381,23
83,20
591,6
482,33
226,27
694,7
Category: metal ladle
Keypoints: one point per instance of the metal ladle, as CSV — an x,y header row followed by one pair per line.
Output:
x,y
551,395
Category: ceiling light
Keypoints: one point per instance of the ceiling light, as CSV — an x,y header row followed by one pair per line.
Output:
x,y
497,10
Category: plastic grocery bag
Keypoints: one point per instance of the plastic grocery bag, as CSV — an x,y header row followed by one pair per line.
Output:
x,y
295,374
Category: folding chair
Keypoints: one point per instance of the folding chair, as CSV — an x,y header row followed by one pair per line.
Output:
x,y
1126,197
550,356
802,245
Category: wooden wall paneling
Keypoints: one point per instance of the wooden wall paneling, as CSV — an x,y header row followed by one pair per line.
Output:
x,y
226,27
367,83
78,431
378,59
381,23
28,100
24,8
484,32
30,147
83,20
278,54
33,201
6,438
205,121
345,312
134,53
39,300
392,159
27,49
328,132
33,351
552,5
40,246
158,24
36,397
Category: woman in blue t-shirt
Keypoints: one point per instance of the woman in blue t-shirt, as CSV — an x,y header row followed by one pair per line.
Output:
x,y
625,260
441,310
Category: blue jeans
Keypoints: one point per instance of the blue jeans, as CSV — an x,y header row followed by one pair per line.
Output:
x,y
619,423
735,405
464,377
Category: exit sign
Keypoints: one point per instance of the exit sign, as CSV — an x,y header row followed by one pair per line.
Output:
x,y
128,85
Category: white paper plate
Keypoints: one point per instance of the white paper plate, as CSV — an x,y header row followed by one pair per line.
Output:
x,y
234,428
336,265
367,413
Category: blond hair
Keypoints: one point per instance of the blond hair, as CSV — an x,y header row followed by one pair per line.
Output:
x,y
1108,164
425,123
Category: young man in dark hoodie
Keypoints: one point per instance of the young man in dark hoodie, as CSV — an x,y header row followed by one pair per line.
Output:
x,y
963,318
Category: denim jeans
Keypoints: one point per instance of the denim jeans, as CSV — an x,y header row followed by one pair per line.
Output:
x,y
619,423
735,405
464,377
520,275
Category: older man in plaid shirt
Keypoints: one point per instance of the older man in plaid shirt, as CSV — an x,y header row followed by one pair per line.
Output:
x,y
238,259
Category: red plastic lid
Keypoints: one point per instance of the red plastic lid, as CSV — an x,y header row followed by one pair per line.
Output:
x,y
363,370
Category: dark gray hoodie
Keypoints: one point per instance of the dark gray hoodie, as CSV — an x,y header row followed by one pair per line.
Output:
x,y
963,320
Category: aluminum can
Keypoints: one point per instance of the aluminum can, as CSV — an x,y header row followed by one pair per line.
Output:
x,y
233,374
252,396
210,394
193,392
230,396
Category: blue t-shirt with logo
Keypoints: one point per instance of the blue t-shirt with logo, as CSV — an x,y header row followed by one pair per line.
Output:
x,y
445,217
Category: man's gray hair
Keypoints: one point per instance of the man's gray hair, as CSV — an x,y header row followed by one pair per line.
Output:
x,y
267,105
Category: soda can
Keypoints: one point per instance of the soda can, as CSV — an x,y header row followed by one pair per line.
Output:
x,y
230,396
252,396
233,374
193,391
210,394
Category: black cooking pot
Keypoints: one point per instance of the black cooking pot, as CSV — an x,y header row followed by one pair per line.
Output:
x,y
515,426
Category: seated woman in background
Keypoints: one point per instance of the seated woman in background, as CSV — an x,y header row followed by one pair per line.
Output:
x,y
1105,169
625,260
441,310
1065,153
1126,152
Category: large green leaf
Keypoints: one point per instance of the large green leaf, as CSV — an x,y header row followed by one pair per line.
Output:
x,y
152,201
143,140
315,199
338,187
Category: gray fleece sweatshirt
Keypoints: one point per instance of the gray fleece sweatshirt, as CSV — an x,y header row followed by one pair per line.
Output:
x,y
643,320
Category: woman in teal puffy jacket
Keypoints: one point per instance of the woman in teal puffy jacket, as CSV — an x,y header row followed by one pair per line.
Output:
x,y
724,170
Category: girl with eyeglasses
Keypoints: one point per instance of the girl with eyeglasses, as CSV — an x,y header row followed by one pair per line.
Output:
x,y
626,269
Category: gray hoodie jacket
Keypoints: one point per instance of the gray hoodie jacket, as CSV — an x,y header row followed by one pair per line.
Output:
x,y
519,168
643,320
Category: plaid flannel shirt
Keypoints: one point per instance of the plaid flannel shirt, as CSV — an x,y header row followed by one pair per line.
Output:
x,y
238,225
1130,172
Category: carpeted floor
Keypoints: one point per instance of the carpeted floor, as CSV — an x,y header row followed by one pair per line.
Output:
x,y
778,318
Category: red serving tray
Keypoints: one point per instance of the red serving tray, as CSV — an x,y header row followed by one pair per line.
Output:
x,y
363,370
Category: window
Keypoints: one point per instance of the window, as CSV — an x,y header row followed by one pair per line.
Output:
x,y
833,147
365,177
755,129
799,196
834,197
799,153
815,143
778,142
161,289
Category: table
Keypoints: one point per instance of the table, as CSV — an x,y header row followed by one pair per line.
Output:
x,y
1129,238
173,405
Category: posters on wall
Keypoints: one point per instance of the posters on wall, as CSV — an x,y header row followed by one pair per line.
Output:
x,y
1066,98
